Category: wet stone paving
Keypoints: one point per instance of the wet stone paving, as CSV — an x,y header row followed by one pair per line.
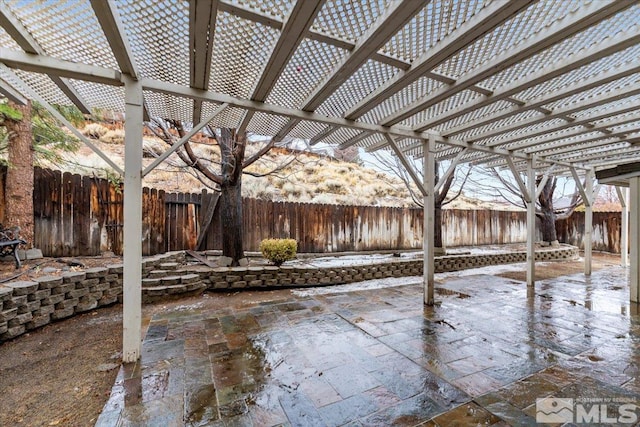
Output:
x,y
379,357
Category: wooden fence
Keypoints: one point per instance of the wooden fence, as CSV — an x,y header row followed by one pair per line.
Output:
x,y
607,230
80,215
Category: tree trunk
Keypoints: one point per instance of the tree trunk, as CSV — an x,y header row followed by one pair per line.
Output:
x,y
547,212
19,179
548,226
231,215
437,226
232,147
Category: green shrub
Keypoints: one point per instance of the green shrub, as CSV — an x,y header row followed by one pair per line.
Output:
x,y
279,250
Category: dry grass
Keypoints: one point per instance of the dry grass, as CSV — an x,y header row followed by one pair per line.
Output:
x,y
306,177
115,136
95,130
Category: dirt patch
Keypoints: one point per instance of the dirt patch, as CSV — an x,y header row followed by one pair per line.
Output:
x,y
62,374
58,375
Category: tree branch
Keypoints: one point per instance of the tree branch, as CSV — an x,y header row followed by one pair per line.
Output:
x,y
264,150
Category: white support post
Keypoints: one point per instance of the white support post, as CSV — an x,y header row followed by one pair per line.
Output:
x,y
429,226
132,251
634,230
531,227
623,196
588,222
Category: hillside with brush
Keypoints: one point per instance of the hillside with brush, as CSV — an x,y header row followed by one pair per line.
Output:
x,y
281,175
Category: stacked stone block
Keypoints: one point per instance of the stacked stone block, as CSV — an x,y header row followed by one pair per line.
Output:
x,y
270,276
26,305
165,276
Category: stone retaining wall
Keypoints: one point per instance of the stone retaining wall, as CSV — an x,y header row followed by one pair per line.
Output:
x,y
269,276
26,305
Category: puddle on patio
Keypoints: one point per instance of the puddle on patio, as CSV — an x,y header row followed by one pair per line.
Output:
x,y
373,357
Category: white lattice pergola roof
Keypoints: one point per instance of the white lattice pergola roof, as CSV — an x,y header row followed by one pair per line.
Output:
x,y
557,80
538,86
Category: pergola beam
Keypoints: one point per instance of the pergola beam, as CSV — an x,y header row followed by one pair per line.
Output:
x,y
329,130
563,113
583,121
580,144
484,22
408,167
543,181
33,95
23,38
175,146
526,193
396,16
109,19
294,29
202,28
353,141
368,44
113,28
565,28
12,93
606,48
450,169
59,67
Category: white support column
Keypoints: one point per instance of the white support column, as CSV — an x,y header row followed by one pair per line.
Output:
x,y
429,226
531,227
634,230
132,251
623,197
588,222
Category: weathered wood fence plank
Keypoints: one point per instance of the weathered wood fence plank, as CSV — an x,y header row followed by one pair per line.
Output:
x,y
77,215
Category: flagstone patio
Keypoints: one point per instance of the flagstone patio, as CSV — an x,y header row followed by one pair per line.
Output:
x,y
376,357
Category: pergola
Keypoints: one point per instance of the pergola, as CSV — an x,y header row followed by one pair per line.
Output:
x,y
538,87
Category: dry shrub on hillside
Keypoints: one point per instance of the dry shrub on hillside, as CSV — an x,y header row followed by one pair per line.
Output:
x,y
94,130
257,188
113,137
294,192
324,199
333,186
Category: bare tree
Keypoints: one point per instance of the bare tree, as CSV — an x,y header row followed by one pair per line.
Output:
x,y
223,174
392,165
505,186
